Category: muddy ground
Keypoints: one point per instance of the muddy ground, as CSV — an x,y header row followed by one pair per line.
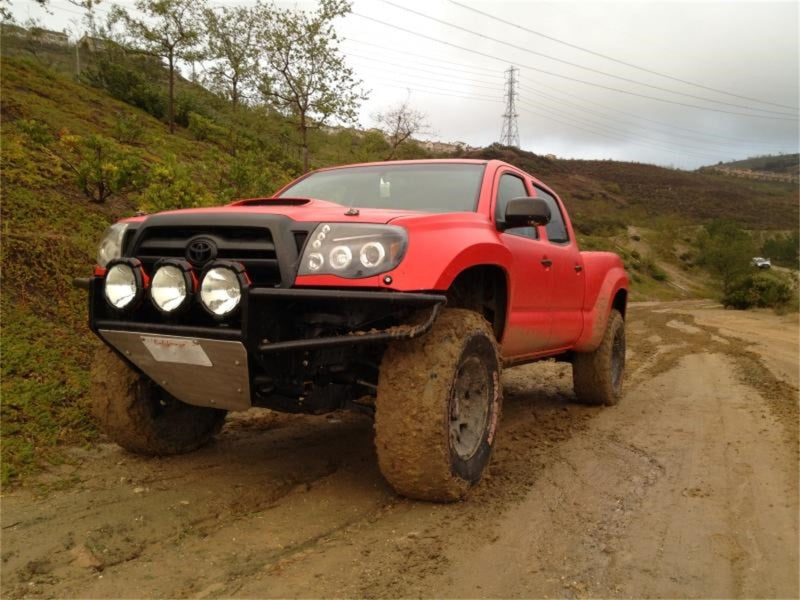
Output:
x,y
688,488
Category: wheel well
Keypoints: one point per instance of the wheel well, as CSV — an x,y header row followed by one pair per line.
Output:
x,y
484,289
620,302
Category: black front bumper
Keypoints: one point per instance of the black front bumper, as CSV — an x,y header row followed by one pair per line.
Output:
x,y
263,310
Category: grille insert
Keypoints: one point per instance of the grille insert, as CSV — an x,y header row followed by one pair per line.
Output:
x,y
252,246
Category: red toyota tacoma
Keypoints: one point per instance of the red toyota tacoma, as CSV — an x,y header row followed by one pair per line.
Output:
x,y
398,289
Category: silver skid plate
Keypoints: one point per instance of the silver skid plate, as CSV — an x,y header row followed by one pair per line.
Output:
x,y
196,371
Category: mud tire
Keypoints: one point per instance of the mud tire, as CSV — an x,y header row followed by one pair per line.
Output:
x,y
597,376
415,404
140,416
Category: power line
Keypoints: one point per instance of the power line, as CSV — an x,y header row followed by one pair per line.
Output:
x,y
582,109
402,84
404,53
635,116
417,77
578,66
616,60
575,79
621,138
615,131
417,70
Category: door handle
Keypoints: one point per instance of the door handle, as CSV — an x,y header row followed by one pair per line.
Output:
x,y
546,262
578,268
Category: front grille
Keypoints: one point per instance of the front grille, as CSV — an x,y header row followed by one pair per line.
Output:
x,y
252,246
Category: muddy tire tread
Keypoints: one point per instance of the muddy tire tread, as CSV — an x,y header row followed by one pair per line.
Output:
x,y
411,422
591,371
115,389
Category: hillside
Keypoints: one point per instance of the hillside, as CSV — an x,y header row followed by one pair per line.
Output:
x,y
783,168
53,128
787,164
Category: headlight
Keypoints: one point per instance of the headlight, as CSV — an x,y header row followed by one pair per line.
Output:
x,y
172,285
124,284
353,250
111,245
221,288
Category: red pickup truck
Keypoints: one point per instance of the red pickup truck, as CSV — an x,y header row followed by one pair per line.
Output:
x,y
399,289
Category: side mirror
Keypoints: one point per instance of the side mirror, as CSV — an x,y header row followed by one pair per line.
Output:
x,y
525,212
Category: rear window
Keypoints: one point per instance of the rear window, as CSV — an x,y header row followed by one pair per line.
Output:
x,y
436,188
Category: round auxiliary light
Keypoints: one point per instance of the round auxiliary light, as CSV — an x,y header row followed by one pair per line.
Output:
x,y
372,254
123,285
221,288
171,286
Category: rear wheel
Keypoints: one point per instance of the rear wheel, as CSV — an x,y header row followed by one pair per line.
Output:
x,y
143,418
597,376
439,401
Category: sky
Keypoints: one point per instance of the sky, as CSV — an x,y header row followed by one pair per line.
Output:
x,y
679,84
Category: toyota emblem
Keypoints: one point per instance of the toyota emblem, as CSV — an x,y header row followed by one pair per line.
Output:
x,y
199,251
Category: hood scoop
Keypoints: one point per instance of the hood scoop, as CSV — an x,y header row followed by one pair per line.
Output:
x,y
271,202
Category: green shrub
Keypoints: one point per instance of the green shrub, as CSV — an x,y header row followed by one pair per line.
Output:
x,y
38,132
129,78
100,166
186,103
725,249
783,249
128,129
598,225
205,129
171,186
759,289
652,269
612,187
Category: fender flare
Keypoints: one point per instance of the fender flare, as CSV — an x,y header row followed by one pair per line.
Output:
x,y
595,319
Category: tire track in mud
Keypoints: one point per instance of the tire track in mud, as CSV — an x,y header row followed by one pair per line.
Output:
x,y
676,334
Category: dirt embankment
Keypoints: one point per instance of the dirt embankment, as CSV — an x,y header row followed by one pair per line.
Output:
x,y
687,488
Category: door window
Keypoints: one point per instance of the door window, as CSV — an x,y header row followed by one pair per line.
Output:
x,y
556,228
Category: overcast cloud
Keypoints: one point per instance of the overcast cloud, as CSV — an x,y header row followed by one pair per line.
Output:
x,y
749,49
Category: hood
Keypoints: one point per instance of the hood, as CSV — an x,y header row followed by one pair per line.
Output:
x,y
301,209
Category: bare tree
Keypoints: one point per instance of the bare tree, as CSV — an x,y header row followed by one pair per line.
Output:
x,y
170,29
303,73
233,48
399,123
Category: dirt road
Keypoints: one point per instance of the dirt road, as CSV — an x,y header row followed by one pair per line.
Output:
x,y
688,488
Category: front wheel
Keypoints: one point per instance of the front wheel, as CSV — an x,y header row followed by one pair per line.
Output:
x,y
439,401
143,418
597,376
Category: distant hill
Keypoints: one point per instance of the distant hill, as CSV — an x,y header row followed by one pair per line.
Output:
x,y
781,163
781,167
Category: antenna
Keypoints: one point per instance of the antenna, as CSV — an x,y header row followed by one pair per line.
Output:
x,y
509,135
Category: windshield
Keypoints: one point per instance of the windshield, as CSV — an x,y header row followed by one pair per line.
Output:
x,y
434,188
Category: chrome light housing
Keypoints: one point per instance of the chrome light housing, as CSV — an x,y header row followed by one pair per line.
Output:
x,y
172,286
124,284
353,250
222,286
110,247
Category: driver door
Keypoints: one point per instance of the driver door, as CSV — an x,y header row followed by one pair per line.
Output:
x,y
531,279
